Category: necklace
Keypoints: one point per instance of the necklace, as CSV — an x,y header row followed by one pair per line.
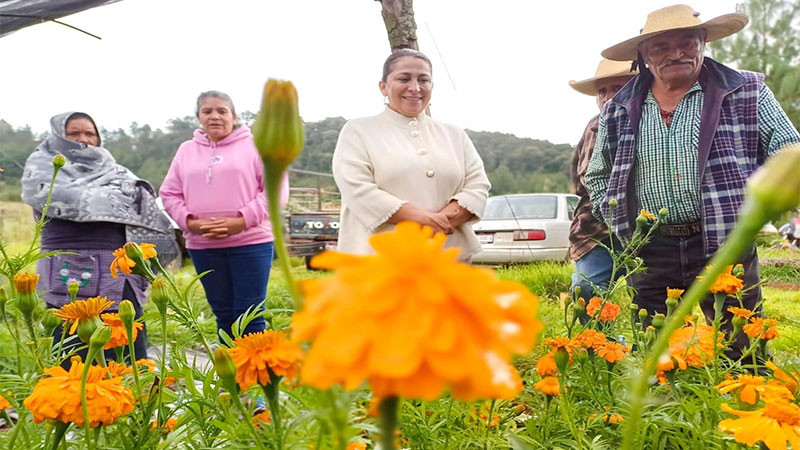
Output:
x,y
666,115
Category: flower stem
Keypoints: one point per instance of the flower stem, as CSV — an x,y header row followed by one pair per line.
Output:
x,y
245,417
84,403
271,392
162,369
60,430
388,408
132,353
738,241
274,176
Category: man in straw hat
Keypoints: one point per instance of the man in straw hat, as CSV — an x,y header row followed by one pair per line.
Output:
x,y
684,134
592,263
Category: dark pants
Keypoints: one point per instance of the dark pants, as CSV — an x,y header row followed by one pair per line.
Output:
x,y
675,262
139,345
238,281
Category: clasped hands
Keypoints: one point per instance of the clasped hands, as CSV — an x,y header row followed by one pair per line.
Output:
x,y
216,228
444,221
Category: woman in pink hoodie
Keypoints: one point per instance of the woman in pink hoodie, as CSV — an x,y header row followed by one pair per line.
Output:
x,y
214,190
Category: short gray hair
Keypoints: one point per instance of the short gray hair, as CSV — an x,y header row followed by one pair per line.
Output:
x,y
214,94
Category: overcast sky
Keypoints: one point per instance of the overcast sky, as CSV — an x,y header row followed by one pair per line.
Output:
x,y
499,65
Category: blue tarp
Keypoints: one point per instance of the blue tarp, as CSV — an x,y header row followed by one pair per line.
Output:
x,y
16,14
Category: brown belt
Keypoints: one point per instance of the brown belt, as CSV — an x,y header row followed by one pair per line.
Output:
x,y
687,229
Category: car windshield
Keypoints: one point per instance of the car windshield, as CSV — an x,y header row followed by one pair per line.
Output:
x,y
521,207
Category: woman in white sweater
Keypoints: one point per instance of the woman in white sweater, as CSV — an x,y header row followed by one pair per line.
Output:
x,y
402,165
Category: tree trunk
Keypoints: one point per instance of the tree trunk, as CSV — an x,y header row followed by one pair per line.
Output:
x,y
398,16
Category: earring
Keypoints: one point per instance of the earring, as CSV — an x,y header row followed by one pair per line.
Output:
x,y
385,99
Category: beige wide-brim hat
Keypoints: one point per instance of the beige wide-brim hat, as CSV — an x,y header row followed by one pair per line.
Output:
x,y
677,17
606,69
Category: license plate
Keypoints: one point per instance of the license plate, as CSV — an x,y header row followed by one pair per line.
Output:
x,y
486,238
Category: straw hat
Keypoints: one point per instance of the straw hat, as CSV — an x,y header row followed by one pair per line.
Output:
x,y
677,17
606,69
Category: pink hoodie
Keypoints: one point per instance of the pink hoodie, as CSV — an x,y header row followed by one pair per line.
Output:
x,y
220,179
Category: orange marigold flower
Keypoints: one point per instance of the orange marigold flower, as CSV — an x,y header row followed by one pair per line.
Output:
x,y
674,293
561,342
356,446
693,345
648,215
256,352
83,310
117,369
262,417
609,418
746,387
608,314
612,351
25,283
166,427
740,312
546,365
777,423
4,403
59,396
119,336
148,250
590,339
147,363
548,386
662,377
783,378
726,282
761,328
121,262
467,323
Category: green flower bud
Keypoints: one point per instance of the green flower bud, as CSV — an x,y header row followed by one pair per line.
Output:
x,y
738,322
225,367
127,313
561,357
577,291
633,307
59,161
3,301
581,354
658,321
613,203
662,213
775,187
50,321
738,270
278,130
672,303
134,252
159,294
579,307
643,314
650,334
73,288
87,327
27,300
99,338
225,399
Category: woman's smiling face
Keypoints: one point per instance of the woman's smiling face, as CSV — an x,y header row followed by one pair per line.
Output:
x,y
408,86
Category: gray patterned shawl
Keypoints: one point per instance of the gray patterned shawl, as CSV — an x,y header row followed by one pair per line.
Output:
x,y
92,187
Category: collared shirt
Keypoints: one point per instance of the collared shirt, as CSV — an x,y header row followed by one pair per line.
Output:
x,y
585,230
666,173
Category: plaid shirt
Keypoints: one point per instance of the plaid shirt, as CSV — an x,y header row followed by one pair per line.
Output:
x,y
585,230
750,126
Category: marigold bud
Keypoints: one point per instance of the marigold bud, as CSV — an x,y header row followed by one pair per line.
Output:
x,y
643,314
650,334
581,354
127,313
662,213
577,291
134,252
159,294
613,203
59,161
225,399
633,307
99,338
278,130
225,367
579,307
50,321
27,300
671,304
739,322
738,270
87,327
73,287
775,187
3,300
658,320
561,357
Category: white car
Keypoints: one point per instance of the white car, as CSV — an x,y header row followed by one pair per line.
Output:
x,y
525,227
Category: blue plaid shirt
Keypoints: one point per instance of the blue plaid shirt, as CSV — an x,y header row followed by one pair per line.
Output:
x,y
750,126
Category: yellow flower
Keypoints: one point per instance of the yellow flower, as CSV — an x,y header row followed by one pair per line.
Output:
x,y
119,337
612,351
59,396
256,352
25,283
674,293
81,311
760,328
789,380
121,262
777,423
546,365
740,312
148,250
590,339
167,426
647,215
146,363
466,322
117,370
548,386
262,417
278,131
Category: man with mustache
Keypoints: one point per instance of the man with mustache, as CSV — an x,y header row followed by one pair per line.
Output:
x,y
684,134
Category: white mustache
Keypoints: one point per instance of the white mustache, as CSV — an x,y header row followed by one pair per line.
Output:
x,y
678,61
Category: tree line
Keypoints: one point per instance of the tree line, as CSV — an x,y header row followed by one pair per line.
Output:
x,y
513,164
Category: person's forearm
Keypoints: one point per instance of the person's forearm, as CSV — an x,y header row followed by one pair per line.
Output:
x,y
457,214
408,212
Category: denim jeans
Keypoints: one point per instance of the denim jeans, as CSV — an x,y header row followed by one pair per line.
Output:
x,y
675,262
237,281
594,266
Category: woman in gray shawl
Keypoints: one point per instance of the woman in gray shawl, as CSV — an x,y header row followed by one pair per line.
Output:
x,y
97,206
